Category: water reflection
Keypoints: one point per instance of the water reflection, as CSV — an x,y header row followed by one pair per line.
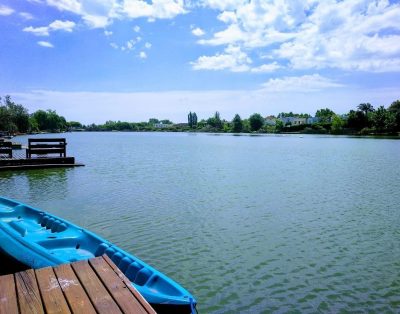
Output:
x,y
38,183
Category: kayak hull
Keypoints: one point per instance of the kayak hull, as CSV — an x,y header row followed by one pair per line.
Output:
x,y
38,239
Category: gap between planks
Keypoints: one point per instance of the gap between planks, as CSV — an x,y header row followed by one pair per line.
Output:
x,y
93,286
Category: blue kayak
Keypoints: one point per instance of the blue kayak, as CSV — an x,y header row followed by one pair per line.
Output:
x,y
39,239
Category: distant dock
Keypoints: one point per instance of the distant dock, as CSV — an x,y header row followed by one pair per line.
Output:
x,y
93,286
38,154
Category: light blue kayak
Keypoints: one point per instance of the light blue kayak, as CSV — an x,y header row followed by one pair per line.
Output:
x,y
39,239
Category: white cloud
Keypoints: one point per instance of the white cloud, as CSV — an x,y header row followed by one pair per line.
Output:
x,y
312,34
266,68
4,10
96,21
38,31
227,17
114,45
66,26
303,84
26,15
108,33
74,6
157,9
198,32
147,45
57,25
232,59
45,44
136,29
142,55
223,4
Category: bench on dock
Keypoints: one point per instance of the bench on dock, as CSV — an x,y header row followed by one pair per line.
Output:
x,y
6,148
44,146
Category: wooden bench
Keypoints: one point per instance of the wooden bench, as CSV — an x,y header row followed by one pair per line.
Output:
x,y
6,148
44,146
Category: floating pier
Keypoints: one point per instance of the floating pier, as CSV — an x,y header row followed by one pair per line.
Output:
x,y
90,286
39,154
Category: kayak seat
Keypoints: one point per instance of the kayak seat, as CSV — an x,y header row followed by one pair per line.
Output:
x,y
101,249
53,224
142,276
132,271
124,264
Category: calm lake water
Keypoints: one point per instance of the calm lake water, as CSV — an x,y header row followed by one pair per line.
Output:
x,y
250,224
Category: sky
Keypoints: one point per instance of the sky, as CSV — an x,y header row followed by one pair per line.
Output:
x,y
131,60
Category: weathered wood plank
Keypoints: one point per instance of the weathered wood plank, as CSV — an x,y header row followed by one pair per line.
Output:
x,y
53,298
8,297
117,288
137,295
97,293
76,296
29,299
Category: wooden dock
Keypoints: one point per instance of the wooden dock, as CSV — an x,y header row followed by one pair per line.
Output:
x,y
93,286
37,163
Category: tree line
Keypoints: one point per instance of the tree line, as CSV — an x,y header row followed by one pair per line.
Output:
x,y
15,118
364,119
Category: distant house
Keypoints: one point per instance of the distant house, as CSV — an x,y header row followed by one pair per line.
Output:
x,y
312,120
161,125
293,120
270,120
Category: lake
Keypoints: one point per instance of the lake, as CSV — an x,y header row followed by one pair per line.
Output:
x,y
249,224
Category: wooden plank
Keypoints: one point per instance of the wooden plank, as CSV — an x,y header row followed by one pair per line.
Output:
x,y
42,139
97,293
8,297
53,298
28,292
76,296
137,295
117,288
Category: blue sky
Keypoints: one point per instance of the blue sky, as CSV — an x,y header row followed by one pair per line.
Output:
x,y
98,60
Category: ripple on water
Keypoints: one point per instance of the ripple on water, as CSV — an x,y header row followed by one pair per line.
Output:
x,y
248,224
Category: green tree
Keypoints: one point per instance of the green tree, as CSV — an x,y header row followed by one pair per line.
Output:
x,y
356,120
194,119
40,117
215,121
379,118
13,117
337,125
366,107
278,126
237,124
324,115
256,121
394,108
153,121
190,119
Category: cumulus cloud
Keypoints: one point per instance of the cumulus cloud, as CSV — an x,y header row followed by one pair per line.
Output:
x,y
198,32
4,10
45,44
26,15
266,68
157,9
142,55
313,34
305,83
233,59
57,25
101,13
